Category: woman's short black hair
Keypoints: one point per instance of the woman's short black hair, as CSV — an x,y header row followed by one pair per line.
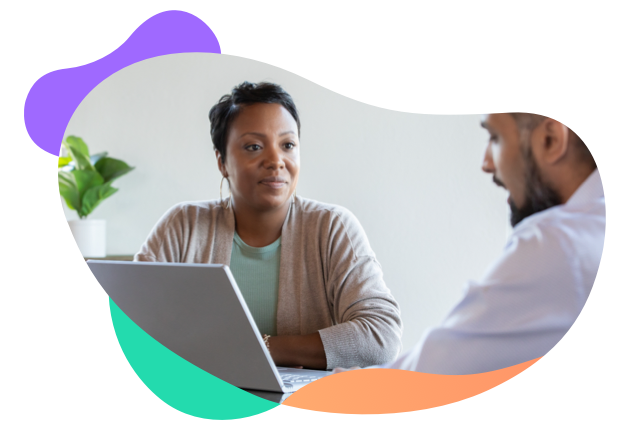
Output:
x,y
245,94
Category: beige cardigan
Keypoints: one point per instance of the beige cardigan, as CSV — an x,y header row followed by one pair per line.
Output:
x,y
329,281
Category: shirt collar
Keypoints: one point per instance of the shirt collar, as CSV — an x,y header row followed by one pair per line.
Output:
x,y
590,190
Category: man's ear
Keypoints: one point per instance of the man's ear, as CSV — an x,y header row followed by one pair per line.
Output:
x,y
220,164
550,141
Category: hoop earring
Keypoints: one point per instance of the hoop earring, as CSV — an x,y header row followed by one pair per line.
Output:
x,y
229,200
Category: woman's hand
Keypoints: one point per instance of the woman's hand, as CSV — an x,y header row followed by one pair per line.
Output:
x,y
299,351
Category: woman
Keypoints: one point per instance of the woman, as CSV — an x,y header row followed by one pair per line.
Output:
x,y
305,269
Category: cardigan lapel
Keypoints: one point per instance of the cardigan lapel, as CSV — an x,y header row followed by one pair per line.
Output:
x,y
288,314
222,232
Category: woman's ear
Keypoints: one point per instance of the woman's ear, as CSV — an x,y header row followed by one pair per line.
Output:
x,y
220,164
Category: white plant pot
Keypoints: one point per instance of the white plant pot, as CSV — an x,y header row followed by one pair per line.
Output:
x,y
90,235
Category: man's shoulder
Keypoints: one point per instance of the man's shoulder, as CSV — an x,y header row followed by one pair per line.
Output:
x,y
563,223
584,210
557,242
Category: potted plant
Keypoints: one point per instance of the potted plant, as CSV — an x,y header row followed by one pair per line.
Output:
x,y
85,181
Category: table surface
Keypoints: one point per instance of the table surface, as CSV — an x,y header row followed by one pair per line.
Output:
x,y
275,397
125,258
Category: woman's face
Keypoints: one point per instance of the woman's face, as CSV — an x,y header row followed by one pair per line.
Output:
x,y
262,159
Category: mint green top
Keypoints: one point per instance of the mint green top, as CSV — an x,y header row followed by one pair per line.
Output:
x,y
256,273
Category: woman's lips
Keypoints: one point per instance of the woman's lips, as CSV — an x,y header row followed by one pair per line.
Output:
x,y
274,182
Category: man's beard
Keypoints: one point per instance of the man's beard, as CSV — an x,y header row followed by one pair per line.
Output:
x,y
539,195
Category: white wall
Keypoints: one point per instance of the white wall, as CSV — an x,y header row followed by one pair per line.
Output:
x,y
432,216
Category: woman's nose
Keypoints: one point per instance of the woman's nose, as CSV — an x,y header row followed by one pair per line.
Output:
x,y
274,158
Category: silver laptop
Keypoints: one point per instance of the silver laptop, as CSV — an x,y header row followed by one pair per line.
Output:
x,y
197,311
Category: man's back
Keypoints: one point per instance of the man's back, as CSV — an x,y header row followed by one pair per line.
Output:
x,y
528,299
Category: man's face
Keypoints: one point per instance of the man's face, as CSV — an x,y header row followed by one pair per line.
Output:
x,y
509,158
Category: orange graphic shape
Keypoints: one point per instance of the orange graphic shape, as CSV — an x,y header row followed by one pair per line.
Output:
x,y
373,391
549,385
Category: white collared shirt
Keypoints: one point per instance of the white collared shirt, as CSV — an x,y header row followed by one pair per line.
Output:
x,y
528,299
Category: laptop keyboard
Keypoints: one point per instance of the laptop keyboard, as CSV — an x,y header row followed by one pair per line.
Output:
x,y
292,378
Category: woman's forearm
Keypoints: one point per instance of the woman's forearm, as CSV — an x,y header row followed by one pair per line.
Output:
x,y
298,350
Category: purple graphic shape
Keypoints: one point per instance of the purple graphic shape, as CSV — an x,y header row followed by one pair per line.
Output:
x,y
54,96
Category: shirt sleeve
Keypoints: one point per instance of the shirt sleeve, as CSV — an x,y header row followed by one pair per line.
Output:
x,y
368,327
524,305
165,241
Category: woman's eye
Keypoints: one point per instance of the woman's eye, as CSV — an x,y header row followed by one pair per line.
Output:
x,y
289,145
253,147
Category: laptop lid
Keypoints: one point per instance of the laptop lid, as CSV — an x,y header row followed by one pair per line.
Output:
x,y
197,311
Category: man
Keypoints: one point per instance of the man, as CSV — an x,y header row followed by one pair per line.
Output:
x,y
530,297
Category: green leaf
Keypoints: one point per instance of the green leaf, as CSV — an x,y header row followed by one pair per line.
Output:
x,y
77,143
67,163
64,160
85,180
111,168
68,190
79,153
94,196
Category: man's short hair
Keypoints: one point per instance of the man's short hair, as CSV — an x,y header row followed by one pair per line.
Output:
x,y
243,95
527,122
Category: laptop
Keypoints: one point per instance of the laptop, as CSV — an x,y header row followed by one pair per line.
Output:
x,y
197,311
